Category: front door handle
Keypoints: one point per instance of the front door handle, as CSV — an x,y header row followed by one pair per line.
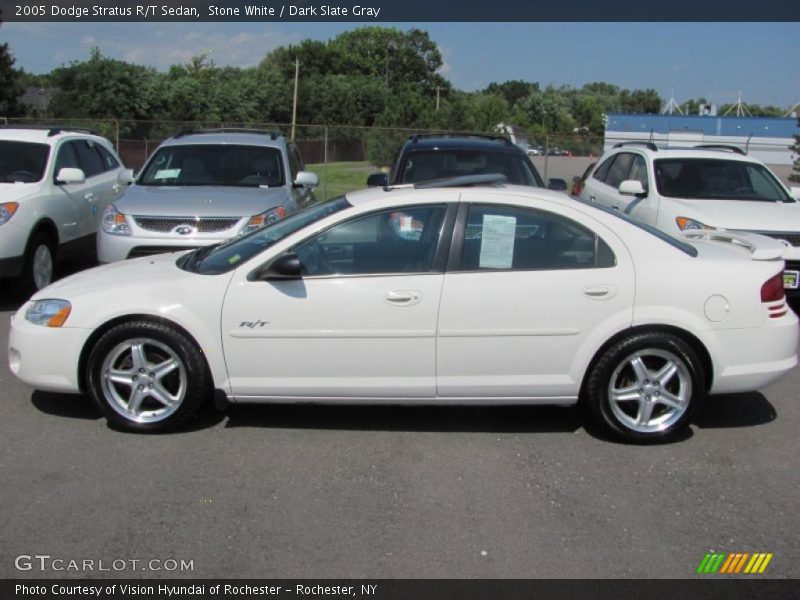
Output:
x,y
88,196
615,206
592,198
403,297
116,187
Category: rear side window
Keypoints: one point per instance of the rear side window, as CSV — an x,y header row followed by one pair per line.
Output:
x,y
505,237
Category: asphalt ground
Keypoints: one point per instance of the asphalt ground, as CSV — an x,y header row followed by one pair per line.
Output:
x,y
387,492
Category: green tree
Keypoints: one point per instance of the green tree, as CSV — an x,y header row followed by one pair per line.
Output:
x,y
10,83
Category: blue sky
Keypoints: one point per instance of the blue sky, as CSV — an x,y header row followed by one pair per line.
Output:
x,y
714,60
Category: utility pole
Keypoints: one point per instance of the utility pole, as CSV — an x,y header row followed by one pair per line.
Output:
x,y
437,98
294,102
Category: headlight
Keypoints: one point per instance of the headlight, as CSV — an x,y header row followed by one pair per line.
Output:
x,y
266,218
685,223
50,312
7,210
114,222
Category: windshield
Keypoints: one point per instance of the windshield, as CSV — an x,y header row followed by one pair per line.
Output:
x,y
717,179
437,164
211,260
22,162
214,164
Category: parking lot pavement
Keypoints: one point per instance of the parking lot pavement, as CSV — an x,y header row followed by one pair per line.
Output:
x,y
317,492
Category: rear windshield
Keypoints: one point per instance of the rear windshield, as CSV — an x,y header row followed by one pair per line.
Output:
x,y
437,164
215,164
22,162
717,179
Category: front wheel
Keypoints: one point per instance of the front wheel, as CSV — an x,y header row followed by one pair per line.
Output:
x,y
39,263
147,376
646,386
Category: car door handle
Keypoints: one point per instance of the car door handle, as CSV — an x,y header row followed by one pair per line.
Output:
x,y
600,292
88,195
403,297
592,197
615,206
116,187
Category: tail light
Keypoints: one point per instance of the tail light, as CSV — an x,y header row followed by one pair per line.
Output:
x,y
772,290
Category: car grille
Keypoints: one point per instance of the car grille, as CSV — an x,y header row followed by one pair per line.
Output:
x,y
792,237
140,251
202,224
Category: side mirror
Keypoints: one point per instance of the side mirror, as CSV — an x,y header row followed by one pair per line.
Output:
x,y
70,175
125,176
286,266
556,183
632,187
306,179
795,192
378,180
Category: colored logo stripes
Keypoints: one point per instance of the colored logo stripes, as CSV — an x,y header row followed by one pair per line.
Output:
x,y
734,563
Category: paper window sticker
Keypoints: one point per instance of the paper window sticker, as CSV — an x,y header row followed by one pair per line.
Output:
x,y
497,242
167,173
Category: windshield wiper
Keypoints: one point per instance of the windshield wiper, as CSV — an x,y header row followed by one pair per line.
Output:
x,y
196,257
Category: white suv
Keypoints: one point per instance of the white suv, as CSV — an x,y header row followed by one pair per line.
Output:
x,y
701,188
54,184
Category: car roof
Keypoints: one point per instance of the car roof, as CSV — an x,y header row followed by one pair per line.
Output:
x,y
461,143
684,152
234,138
44,135
402,193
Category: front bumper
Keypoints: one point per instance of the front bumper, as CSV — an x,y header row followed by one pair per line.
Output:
x,y
45,358
13,240
111,248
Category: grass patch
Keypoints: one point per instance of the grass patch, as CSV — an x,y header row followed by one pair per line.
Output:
x,y
341,177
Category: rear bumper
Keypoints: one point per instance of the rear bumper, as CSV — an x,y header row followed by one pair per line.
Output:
x,y
746,360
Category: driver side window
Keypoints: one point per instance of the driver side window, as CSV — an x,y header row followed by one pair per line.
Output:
x,y
401,240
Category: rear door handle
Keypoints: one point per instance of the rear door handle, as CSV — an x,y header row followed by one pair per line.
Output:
x,y
403,297
88,195
116,187
592,198
600,292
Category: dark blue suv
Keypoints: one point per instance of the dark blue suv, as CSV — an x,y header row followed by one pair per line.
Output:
x,y
429,157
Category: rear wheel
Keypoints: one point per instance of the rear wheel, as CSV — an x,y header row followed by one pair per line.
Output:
x,y
147,376
39,262
646,386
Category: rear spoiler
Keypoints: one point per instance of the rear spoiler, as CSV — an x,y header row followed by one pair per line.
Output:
x,y
761,247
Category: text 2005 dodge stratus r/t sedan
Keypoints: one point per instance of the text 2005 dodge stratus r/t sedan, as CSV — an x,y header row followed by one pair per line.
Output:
x,y
490,294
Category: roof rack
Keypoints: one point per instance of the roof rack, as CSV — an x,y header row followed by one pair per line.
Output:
x,y
273,135
648,145
486,136
727,147
50,129
462,181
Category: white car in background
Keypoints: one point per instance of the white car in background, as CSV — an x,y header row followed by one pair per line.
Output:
x,y
706,187
54,184
484,294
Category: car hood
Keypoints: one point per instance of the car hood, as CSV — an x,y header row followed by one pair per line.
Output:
x,y
157,271
191,201
16,192
741,214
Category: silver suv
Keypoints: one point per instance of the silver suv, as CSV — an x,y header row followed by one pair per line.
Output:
x,y
203,187
54,184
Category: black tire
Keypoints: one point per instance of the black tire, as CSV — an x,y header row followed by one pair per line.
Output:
x,y
31,280
620,366
189,382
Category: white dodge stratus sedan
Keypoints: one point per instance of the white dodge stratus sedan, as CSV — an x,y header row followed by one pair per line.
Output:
x,y
489,294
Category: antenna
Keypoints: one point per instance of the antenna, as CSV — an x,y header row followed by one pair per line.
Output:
x,y
671,106
740,106
791,110
747,144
